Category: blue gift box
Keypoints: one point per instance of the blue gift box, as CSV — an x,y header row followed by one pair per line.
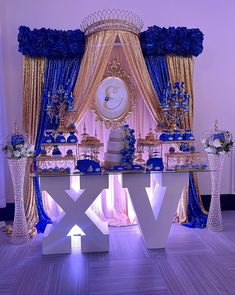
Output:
x,y
204,166
154,164
88,166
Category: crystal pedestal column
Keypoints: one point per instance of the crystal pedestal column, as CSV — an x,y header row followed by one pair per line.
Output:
x,y
214,221
20,227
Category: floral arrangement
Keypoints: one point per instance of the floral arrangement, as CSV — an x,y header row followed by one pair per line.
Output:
x,y
180,41
218,143
128,152
18,147
51,43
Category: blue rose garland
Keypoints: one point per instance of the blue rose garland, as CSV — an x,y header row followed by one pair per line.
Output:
x,y
154,41
180,41
51,43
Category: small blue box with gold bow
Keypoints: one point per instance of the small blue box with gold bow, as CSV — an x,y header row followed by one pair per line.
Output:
x,y
154,164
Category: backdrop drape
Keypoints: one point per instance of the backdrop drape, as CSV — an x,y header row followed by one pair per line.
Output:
x,y
181,69
191,211
58,72
98,49
132,50
33,75
158,71
162,70
99,46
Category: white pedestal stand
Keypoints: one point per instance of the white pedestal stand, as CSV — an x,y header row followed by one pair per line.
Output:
x,y
214,221
20,233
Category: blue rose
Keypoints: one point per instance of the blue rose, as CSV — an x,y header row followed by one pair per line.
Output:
x,y
181,41
51,43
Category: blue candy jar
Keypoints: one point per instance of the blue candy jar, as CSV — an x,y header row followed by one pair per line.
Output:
x,y
72,137
162,136
171,136
167,135
188,135
48,137
56,151
177,135
60,137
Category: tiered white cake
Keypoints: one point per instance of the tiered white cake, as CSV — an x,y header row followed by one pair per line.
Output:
x,y
114,146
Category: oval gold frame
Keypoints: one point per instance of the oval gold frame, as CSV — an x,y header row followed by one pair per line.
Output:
x,y
115,70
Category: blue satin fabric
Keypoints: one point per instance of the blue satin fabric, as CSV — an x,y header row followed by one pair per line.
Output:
x,y
58,72
158,71
196,218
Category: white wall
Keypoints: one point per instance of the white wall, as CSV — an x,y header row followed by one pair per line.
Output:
x,y
214,69
2,128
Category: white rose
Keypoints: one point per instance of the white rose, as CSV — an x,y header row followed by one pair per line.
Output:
x,y
203,141
9,154
16,154
209,150
30,148
222,153
23,151
216,143
19,146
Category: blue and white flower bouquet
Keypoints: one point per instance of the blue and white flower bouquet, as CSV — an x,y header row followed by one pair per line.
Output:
x,y
217,142
18,147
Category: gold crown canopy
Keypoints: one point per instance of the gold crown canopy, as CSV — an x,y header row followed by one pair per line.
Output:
x,y
112,19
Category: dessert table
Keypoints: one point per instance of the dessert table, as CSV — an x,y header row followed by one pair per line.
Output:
x,y
154,214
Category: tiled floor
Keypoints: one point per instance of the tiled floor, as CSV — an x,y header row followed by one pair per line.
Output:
x,y
195,261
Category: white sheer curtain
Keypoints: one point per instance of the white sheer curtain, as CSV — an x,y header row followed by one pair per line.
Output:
x,y
2,128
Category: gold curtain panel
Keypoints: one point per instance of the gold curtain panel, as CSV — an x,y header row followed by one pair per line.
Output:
x,y
33,86
181,69
33,76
